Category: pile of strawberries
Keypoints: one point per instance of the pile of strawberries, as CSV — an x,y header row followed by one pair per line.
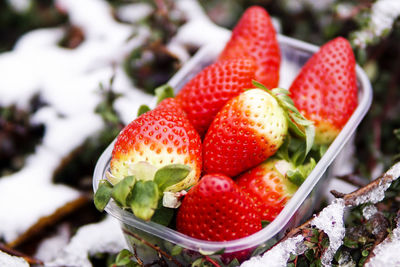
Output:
x,y
239,153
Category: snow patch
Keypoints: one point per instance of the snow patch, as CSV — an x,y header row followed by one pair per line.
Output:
x,y
330,220
102,237
378,194
8,260
279,254
383,14
369,211
387,252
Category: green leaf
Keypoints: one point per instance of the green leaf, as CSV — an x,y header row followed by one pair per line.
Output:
x,y
163,92
176,250
364,253
309,254
322,150
234,263
295,129
209,253
295,176
350,243
283,151
144,199
197,262
122,189
264,223
170,175
259,85
103,194
123,257
310,134
143,109
163,215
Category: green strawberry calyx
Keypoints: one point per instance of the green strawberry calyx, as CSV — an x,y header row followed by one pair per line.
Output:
x,y
162,92
143,191
298,124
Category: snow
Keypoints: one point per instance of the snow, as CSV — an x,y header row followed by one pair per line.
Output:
x,y
377,194
102,237
279,254
68,81
199,30
369,211
20,6
133,12
330,220
8,260
383,14
387,252
296,6
51,246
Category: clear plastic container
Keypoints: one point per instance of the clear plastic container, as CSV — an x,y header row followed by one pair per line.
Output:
x,y
294,54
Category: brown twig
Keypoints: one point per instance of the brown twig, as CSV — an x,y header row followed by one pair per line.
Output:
x,y
350,199
353,179
139,261
14,252
213,262
156,248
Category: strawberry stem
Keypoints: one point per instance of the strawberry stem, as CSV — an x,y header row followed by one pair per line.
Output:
x,y
301,126
163,92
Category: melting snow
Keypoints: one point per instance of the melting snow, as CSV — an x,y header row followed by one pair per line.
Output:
x,y
330,220
369,211
50,247
387,252
105,236
67,80
279,254
383,15
8,260
377,194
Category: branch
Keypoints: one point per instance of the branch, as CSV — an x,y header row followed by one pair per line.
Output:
x,y
156,248
14,252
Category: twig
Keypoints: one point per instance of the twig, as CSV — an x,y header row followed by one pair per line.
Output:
x,y
210,260
14,252
337,194
139,261
156,248
349,199
353,179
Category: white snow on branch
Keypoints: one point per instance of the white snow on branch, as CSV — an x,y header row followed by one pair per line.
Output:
x,y
378,194
102,237
330,220
383,15
279,254
8,260
387,252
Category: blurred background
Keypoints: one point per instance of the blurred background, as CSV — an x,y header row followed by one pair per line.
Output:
x,y
73,73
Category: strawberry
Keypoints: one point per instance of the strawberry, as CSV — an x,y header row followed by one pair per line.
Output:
x,y
159,137
325,91
254,37
217,210
247,130
204,95
268,186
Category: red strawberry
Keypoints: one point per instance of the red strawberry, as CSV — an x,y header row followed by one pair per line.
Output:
x,y
325,90
247,130
208,91
160,137
268,186
254,37
217,210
